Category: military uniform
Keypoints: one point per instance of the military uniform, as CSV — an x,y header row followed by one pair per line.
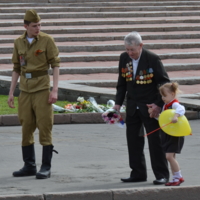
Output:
x,y
32,57
32,61
140,90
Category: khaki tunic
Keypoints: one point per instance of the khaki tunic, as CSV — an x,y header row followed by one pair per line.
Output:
x,y
38,56
34,111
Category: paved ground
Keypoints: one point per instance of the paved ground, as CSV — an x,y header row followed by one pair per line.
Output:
x,y
91,157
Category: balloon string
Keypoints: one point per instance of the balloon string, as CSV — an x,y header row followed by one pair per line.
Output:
x,y
157,129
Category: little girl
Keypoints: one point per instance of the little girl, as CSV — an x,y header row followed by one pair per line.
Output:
x,y
171,144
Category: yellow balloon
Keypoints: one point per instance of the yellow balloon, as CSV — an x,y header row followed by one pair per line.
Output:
x,y
178,129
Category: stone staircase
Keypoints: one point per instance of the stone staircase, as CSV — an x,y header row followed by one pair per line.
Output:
x,y
89,35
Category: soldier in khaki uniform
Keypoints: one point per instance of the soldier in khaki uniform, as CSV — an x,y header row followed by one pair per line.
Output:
x,y
34,52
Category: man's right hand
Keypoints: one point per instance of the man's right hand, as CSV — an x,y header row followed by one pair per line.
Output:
x,y
153,110
117,107
11,101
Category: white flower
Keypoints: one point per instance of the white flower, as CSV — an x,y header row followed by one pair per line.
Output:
x,y
80,99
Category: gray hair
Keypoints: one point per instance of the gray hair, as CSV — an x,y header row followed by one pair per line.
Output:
x,y
133,38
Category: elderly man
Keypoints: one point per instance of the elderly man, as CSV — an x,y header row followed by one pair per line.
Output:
x,y
140,74
33,53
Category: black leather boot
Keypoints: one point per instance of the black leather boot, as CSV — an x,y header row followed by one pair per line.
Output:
x,y
45,170
29,169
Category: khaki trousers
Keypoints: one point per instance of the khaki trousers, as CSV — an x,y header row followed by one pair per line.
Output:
x,y
34,111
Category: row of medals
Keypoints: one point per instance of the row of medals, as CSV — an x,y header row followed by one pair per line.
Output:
x,y
144,77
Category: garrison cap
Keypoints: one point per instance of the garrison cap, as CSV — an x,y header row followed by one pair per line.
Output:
x,y
32,16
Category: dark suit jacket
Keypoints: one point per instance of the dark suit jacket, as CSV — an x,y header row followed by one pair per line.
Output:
x,y
141,94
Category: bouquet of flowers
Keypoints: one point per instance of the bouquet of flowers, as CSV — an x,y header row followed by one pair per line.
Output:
x,y
111,116
90,105
95,105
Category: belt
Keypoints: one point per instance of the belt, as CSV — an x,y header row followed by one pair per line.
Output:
x,y
34,74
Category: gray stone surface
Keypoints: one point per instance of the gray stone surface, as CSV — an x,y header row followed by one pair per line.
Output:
x,y
22,197
78,118
114,69
9,120
62,119
89,195
110,47
93,157
183,193
111,57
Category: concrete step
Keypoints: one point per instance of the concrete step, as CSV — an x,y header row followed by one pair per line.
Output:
x,y
108,80
107,56
104,46
103,3
106,21
105,67
156,36
23,1
106,28
104,14
83,1
95,30
124,8
80,1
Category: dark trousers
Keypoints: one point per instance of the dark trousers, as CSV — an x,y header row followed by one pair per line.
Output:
x,y
136,147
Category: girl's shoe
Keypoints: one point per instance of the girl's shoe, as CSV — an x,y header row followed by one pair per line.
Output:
x,y
177,183
168,184
181,180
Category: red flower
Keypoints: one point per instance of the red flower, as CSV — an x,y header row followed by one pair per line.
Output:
x,y
78,107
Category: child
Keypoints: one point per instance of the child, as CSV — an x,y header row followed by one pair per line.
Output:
x,y
171,144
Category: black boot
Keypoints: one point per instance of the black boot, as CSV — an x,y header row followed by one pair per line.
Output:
x,y
45,170
29,169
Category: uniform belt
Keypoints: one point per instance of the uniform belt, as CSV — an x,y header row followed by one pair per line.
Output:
x,y
34,74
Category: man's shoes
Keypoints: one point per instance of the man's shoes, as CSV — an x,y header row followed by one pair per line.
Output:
x,y
29,168
43,173
25,171
160,181
132,179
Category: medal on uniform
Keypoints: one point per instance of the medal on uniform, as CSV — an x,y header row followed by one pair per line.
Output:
x,y
151,72
22,60
127,72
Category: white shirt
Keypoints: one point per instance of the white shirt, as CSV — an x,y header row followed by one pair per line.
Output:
x,y
30,40
135,65
179,109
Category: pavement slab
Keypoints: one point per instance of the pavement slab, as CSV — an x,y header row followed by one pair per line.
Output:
x,y
84,160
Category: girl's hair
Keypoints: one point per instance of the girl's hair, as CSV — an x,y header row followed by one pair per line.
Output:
x,y
172,87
